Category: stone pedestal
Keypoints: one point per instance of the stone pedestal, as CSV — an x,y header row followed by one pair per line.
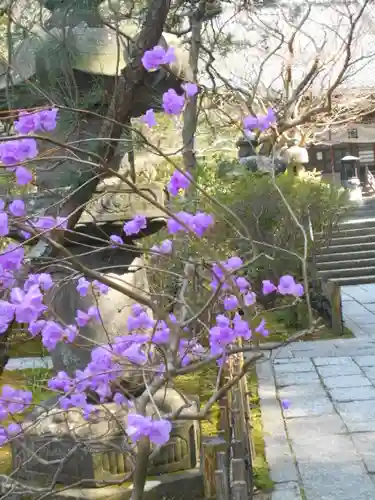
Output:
x,y
96,452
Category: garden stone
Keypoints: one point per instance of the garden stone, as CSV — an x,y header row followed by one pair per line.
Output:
x,y
97,450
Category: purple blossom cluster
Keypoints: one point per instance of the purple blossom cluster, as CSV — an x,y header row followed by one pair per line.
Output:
x,y
16,151
157,56
197,224
12,402
107,361
178,182
158,431
287,286
260,122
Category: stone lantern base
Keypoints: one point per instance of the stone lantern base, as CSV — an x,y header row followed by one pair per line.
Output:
x,y
62,447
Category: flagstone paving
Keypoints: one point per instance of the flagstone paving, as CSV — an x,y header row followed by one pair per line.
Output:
x,y
323,445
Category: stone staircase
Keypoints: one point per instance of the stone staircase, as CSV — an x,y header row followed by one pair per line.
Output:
x,y
349,257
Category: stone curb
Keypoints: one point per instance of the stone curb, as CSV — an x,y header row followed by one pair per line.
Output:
x,y
279,456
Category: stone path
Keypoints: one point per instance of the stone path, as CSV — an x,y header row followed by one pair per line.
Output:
x,y
322,446
358,304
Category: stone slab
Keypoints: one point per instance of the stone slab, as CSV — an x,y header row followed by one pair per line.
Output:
x,y
303,407
315,426
369,371
279,459
301,367
337,370
315,389
352,393
324,361
336,482
365,360
358,416
286,491
346,381
296,378
365,446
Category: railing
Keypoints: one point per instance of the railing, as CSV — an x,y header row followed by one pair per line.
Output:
x,y
227,458
371,180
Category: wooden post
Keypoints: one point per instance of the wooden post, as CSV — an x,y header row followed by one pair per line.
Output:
x,y
220,483
222,460
210,447
239,490
238,469
334,297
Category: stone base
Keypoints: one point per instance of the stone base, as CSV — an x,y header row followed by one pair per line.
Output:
x,y
187,485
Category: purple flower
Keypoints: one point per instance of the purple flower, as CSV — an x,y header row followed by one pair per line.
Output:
x,y
149,118
12,257
135,225
201,222
52,334
44,120
117,240
9,153
261,122
268,287
27,149
4,227
17,208
177,182
191,89
230,302
47,119
82,317
249,299
172,102
265,122
23,176
250,122
241,327
242,284
43,280
234,263
15,400
28,306
174,226
100,287
165,247
287,285
261,328
157,56
36,327
285,403
27,122
83,286
158,431
134,354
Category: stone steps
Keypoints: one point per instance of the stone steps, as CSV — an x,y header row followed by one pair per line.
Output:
x,y
350,272
345,263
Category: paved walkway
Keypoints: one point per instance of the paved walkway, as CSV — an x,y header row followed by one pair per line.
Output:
x,y
358,304
323,446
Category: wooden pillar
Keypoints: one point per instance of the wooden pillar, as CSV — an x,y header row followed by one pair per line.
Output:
x,y
334,296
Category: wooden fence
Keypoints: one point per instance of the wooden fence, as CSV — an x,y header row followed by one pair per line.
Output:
x,y
227,457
